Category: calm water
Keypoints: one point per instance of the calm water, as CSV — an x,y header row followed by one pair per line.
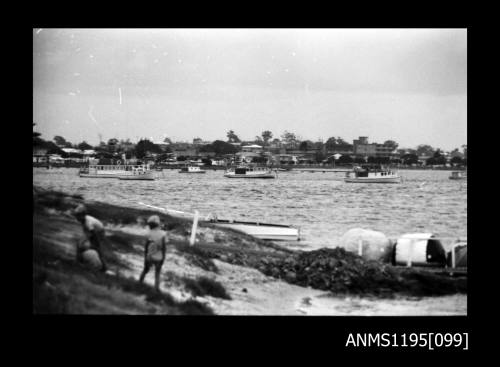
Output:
x,y
321,205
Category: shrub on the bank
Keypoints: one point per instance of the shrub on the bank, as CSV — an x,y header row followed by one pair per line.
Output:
x,y
198,257
340,271
203,286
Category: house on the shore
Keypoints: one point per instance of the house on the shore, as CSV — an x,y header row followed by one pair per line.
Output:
x,y
254,148
40,155
246,157
285,159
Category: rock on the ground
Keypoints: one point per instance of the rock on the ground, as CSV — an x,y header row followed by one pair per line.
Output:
x,y
375,245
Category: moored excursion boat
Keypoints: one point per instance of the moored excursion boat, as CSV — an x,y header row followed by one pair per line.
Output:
x,y
458,175
191,169
121,172
249,172
371,175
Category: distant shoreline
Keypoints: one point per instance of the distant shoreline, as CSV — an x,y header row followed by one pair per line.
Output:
x,y
283,166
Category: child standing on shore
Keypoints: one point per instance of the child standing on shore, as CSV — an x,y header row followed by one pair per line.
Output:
x,y
94,233
154,250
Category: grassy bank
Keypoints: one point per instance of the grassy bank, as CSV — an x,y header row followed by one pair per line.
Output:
x,y
192,279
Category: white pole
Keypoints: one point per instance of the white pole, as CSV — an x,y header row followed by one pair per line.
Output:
x,y
360,247
193,230
453,257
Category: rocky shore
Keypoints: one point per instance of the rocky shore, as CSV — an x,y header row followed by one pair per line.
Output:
x,y
226,272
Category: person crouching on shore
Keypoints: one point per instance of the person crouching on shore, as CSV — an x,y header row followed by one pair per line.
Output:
x,y
154,250
94,233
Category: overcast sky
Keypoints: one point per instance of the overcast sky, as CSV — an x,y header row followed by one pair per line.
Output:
x,y
408,85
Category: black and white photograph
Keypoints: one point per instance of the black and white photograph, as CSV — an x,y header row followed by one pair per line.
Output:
x,y
250,171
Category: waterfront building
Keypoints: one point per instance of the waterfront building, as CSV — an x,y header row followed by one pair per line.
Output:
x,y
361,147
246,157
254,148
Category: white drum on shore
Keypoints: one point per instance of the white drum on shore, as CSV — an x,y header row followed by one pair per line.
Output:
x,y
371,245
419,249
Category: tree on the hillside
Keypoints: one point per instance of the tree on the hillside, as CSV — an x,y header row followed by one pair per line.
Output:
x,y
167,140
35,134
37,140
232,137
331,143
266,136
84,145
410,159
319,156
424,149
345,159
392,144
61,142
113,141
221,147
144,146
341,142
258,140
52,148
457,161
437,158
306,145
437,153
289,137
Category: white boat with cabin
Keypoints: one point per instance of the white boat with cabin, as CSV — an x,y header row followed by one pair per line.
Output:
x,y
121,172
191,169
249,172
372,175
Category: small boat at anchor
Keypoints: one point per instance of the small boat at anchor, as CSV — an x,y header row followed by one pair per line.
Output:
x,y
371,175
458,175
249,172
264,231
121,172
191,169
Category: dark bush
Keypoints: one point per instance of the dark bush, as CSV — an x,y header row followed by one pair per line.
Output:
x,y
203,286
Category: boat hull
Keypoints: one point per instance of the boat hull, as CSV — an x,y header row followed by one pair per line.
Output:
x,y
103,175
266,175
145,177
265,231
373,180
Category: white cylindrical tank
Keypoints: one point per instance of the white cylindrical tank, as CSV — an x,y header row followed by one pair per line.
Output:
x,y
370,245
419,249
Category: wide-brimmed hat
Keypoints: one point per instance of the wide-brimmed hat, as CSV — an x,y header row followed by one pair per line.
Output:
x,y
80,210
154,219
